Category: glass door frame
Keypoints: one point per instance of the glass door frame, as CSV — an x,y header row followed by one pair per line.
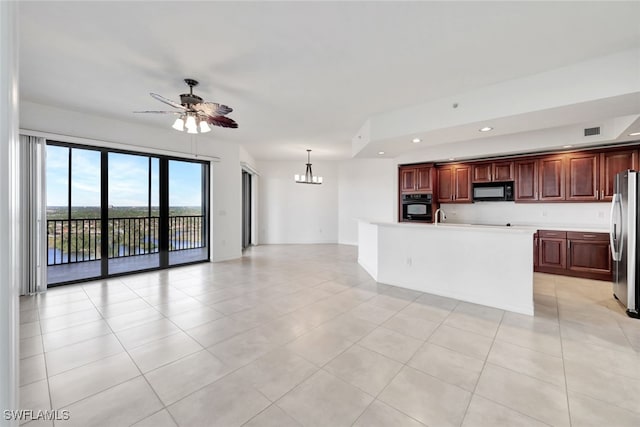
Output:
x,y
163,230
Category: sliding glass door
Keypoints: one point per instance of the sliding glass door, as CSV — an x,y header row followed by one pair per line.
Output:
x,y
133,213
73,214
188,231
111,212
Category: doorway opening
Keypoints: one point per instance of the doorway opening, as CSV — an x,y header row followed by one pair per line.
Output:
x,y
246,209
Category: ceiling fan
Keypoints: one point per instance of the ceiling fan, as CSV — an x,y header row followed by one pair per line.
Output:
x,y
194,114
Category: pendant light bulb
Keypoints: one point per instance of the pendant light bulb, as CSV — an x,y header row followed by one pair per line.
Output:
x,y
179,124
204,126
191,124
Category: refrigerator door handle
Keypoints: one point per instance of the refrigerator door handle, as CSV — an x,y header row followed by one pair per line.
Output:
x,y
613,228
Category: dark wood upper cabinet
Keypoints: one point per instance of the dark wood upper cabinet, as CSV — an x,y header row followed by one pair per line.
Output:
x,y
492,172
503,171
445,184
454,183
551,178
611,163
526,180
416,179
424,177
582,177
407,179
462,178
579,176
482,172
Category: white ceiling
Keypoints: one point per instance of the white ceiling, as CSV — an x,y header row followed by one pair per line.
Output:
x,y
300,74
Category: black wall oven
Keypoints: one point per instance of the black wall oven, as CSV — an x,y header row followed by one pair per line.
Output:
x,y
417,207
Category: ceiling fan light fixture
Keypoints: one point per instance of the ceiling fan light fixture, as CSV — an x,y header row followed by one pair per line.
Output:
x,y
178,124
194,113
204,126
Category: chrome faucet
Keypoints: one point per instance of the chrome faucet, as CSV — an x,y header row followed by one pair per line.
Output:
x,y
443,214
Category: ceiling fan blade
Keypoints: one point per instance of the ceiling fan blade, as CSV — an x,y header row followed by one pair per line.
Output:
x,y
222,121
167,101
212,108
159,112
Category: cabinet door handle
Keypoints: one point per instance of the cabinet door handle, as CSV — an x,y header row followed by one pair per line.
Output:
x,y
587,236
568,244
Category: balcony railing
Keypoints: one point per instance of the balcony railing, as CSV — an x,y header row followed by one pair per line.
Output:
x,y
79,239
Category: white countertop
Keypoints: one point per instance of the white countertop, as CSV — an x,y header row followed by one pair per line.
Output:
x,y
494,227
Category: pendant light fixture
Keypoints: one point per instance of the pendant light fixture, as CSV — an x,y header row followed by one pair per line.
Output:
x,y
308,177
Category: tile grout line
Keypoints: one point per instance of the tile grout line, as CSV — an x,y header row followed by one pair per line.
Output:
x,y
137,367
405,365
466,411
473,393
564,366
164,407
46,368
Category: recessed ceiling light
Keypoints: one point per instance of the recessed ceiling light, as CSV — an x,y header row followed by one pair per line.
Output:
x,y
567,146
381,152
451,158
634,134
485,129
416,140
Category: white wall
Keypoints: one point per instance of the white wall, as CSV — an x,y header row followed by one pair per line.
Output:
x,y
226,176
9,210
586,215
327,213
297,213
367,189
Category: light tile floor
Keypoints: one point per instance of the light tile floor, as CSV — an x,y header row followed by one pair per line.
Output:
x,y
301,335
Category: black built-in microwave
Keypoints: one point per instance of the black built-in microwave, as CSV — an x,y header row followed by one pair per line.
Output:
x,y
493,191
417,207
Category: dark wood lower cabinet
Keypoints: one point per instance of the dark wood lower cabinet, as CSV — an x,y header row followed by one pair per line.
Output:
x,y
552,247
578,254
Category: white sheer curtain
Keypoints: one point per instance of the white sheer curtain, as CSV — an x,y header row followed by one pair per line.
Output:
x,y
33,214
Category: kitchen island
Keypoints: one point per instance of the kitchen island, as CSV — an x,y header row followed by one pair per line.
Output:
x,y
488,265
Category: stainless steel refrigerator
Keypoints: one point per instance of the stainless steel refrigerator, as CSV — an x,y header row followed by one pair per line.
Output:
x,y
624,241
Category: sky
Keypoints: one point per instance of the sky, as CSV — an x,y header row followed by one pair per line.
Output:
x,y
128,179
